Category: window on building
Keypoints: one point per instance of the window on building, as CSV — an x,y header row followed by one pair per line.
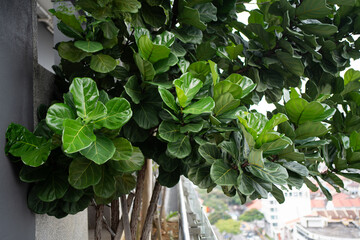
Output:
x,y
275,224
300,194
273,217
295,194
273,210
271,202
290,194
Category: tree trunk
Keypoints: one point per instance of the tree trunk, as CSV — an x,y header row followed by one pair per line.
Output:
x,y
151,211
120,227
137,202
98,221
115,215
147,191
125,217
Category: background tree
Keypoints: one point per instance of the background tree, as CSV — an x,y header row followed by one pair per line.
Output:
x,y
228,226
173,81
251,215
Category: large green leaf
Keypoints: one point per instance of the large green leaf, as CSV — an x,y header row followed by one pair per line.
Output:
x,y
134,163
309,9
88,46
246,84
319,29
76,135
186,88
118,113
245,184
33,174
133,89
278,194
146,116
272,148
189,34
191,16
291,63
168,179
152,52
56,115
223,174
100,151
199,70
78,206
98,112
192,127
124,184
181,148
85,95
106,187
351,75
227,87
355,141
54,187
272,172
170,131
33,150
69,19
38,206
84,173
209,152
297,168
342,2
153,15
68,51
124,149
256,158
145,67
109,29
224,103
168,99
204,105
310,129
130,6
254,122
102,63
207,12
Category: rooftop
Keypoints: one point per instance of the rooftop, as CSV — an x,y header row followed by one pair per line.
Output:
x,y
337,229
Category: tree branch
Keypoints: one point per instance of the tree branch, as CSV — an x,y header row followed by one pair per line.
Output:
x,y
151,211
120,228
125,217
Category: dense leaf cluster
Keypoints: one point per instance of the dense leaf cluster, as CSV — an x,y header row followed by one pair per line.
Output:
x,y
177,80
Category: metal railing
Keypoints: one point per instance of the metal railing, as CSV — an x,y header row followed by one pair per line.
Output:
x,y
194,224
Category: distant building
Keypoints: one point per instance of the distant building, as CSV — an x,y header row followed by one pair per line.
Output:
x,y
296,205
320,228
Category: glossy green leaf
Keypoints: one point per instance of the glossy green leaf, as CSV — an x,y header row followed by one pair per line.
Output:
x,y
204,105
106,186
145,67
85,95
33,150
256,158
246,84
355,141
102,63
109,29
68,51
153,15
54,187
133,89
297,168
234,51
199,70
88,46
33,174
124,149
319,29
134,163
342,2
276,146
309,9
68,19
168,179
209,152
189,34
75,207
324,189
152,52
100,151
214,72
56,115
38,206
100,111
278,194
291,63
351,75
125,183
192,127
254,122
224,103
207,12
191,16
165,38
271,172
118,113
223,174
310,184
245,184
68,31
181,148
84,173
168,98
186,88
227,87
310,129
76,135
129,6
146,116
170,131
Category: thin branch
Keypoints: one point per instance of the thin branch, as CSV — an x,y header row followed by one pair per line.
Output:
x,y
98,218
120,228
125,217
151,211
115,215
137,202
108,227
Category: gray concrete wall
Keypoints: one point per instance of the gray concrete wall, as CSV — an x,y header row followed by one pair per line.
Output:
x,y
45,47
16,74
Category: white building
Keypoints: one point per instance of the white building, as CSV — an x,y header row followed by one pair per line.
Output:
x,y
296,205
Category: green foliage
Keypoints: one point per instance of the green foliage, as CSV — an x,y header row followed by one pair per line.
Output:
x,y
228,226
251,215
179,82
216,216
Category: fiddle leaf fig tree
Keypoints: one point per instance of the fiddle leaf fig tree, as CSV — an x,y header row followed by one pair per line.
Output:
x,y
179,82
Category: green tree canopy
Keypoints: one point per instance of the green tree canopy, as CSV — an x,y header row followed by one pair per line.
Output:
x,y
251,215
